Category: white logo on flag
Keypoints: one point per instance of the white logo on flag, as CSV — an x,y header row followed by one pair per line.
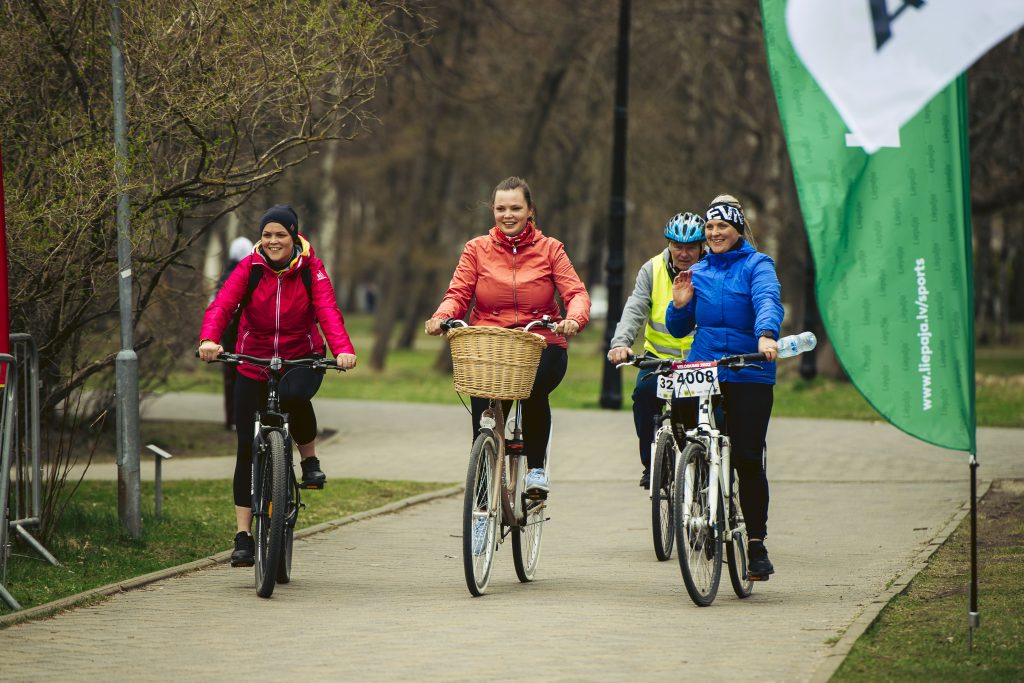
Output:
x,y
881,61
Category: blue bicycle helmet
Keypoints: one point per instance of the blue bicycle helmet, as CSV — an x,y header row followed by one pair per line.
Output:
x,y
685,228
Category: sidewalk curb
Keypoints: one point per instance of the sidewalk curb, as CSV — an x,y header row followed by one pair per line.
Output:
x,y
51,608
832,661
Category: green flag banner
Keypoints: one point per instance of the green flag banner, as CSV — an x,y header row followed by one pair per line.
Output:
x,y
890,234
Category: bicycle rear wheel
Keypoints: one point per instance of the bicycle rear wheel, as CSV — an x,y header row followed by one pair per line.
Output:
x,y
480,513
270,517
662,476
526,538
698,537
736,548
284,568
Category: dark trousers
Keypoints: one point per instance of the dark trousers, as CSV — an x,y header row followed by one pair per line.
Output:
x,y
297,388
748,407
536,409
647,413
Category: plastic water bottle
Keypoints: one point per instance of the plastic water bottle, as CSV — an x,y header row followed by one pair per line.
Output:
x,y
797,343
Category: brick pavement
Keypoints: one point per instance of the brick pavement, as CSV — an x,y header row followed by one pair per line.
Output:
x,y
855,507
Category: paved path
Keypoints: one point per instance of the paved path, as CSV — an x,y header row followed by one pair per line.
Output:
x,y
855,507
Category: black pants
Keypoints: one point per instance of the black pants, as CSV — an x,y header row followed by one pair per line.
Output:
x,y
536,409
748,408
297,388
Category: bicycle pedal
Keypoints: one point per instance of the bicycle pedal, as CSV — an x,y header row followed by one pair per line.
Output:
x,y
312,486
537,495
756,577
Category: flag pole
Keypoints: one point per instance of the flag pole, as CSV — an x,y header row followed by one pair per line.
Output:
x,y
973,617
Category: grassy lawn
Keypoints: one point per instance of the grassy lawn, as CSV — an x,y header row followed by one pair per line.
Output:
x,y
410,376
198,521
922,634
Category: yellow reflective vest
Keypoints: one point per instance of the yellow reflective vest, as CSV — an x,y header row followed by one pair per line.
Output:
x,y
657,339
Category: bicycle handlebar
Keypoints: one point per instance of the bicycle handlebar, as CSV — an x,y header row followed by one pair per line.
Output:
x,y
665,364
275,363
451,323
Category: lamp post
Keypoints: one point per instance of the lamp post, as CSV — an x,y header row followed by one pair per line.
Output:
x,y
127,362
611,380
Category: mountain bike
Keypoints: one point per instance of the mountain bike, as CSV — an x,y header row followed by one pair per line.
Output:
x,y
664,453
496,505
706,504
276,500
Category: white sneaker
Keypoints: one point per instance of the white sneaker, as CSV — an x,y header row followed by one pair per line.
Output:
x,y
537,480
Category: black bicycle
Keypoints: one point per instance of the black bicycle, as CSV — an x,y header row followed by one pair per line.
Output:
x,y
275,490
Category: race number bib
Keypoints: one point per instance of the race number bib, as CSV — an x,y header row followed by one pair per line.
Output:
x,y
666,387
696,379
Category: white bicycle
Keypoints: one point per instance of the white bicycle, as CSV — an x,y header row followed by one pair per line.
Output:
x,y
706,499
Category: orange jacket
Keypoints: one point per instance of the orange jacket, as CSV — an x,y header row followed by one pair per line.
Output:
x,y
515,286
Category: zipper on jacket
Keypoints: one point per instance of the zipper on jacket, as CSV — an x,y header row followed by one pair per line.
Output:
x,y
277,319
515,299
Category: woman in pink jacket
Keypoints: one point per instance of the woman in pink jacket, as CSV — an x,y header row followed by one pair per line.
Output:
x,y
292,294
513,272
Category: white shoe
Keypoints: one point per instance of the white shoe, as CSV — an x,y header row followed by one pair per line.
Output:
x,y
537,480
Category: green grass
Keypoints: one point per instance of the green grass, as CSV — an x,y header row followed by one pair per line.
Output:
x,y
921,634
410,376
198,521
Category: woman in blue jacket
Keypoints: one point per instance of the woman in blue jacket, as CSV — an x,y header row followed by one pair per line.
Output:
x,y
732,297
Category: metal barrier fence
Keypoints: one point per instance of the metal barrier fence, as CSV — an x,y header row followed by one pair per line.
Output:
x,y
20,466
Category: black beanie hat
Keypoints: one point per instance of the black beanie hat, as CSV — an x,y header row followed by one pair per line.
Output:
x,y
286,216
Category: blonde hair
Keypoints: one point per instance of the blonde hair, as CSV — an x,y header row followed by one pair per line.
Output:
x,y
748,232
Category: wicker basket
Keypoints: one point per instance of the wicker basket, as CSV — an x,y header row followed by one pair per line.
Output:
x,y
494,362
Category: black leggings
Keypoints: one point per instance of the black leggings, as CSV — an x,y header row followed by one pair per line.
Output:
x,y
297,387
536,409
748,408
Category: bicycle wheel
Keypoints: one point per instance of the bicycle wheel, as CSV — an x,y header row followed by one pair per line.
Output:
x,y
662,476
284,568
526,539
698,538
480,513
271,515
736,549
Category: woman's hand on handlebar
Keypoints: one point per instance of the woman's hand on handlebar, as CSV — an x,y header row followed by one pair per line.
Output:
x,y
769,347
433,327
567,328
345,361
208,350
620,354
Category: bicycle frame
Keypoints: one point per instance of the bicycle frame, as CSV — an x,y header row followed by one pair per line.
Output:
x,y
719,453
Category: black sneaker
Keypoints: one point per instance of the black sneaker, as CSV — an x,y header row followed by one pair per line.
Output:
x,y
759,567
645,479
245,550
312,477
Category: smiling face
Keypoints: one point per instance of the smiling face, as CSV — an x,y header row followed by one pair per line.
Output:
x,y
277,243
511,211
684,255
721,236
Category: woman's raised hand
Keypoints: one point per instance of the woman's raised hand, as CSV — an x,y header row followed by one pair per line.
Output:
x,y
682,288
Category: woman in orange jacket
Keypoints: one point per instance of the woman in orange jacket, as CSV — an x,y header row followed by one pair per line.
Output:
x,y
513,272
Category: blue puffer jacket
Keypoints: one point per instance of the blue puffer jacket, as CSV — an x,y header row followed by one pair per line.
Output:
x,y
736,298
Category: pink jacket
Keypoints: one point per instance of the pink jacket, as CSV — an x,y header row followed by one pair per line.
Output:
x,y
515,287
279,320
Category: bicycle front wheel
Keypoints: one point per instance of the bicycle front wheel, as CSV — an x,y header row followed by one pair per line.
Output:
x,y
480,513
698,537
270,517
662,476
